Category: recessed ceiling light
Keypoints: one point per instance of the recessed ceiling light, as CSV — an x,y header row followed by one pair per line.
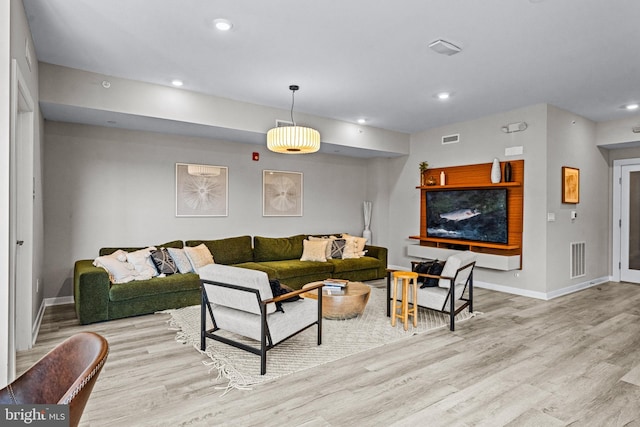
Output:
x,y
631,106
222,24
362,121
177,82
443,95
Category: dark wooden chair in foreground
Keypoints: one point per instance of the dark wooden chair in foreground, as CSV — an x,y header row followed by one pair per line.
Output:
x,y
66,375
240,301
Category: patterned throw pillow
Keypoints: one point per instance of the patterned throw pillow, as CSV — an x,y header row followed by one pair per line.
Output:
x,y
337,248
163,261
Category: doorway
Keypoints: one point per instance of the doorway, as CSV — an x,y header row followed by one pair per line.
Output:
x,y
21,208
626,223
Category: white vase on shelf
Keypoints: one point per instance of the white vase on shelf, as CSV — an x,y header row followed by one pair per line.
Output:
x,y
496,174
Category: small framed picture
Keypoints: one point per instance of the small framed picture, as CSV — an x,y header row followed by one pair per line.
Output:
x,y
281,193
201,190
570,185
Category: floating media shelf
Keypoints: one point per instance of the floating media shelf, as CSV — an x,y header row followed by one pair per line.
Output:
x,y
470,177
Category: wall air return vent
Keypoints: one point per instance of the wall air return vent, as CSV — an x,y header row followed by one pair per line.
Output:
x,y
577,260
451,139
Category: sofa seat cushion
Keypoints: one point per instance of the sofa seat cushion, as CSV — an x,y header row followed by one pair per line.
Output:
x,y
155,286
296,268
273,274
354,264
233,250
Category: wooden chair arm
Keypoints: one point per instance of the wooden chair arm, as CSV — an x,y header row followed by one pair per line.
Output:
x,y
293,294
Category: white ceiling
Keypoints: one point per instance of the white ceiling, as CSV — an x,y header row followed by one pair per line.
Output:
x,y
361,58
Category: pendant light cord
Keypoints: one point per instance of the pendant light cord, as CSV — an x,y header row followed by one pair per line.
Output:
x,y
293,101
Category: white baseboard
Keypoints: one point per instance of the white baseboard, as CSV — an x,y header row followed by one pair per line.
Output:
x,y
44,304
541,295
58,301
546,296
36,325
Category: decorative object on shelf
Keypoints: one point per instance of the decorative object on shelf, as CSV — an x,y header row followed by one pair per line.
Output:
x,y
293,139
423,168
201,190
366,208
281,193
507,172
431,180
443,179
570,185
496,174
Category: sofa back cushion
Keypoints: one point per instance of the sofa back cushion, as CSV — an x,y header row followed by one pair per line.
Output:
x,y
173,244
277,248
233,250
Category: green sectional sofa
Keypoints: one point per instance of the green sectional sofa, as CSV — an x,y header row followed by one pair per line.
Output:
x,y
97,299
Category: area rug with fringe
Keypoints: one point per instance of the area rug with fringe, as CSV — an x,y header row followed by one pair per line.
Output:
x,y
340,338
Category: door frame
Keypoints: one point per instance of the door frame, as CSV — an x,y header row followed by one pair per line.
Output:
x,y
616,229
21,168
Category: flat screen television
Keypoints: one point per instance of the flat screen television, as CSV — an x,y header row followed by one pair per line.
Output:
x,y
475,215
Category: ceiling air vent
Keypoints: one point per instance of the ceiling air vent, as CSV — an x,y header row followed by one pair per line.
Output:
x,y
451,139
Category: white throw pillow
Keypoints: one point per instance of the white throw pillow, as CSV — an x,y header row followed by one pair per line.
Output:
x,y
182,261
115,264
350,247
360,241
143,263
314,250
199,256
328,251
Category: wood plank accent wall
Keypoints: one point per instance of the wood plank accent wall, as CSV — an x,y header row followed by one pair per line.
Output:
x,y
478,177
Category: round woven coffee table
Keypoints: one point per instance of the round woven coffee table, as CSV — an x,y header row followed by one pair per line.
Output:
x,y
341,305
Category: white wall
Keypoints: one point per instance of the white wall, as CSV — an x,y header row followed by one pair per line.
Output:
x,y
480,141
618,132
80,91
113,187
20,34
572,142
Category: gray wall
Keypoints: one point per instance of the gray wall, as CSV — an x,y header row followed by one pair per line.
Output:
x,y
107,186
572,142
550,142
480,141
113,187
20,33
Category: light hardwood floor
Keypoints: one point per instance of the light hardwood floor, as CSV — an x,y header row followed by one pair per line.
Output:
x,y
574,360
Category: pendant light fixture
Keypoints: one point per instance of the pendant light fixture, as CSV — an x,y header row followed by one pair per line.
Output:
x,y
293,139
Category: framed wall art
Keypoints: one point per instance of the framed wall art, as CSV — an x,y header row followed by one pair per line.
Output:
x,y
570,185
201,190
281,193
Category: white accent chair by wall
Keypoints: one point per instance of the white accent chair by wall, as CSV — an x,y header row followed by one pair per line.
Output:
x,y
240,301
456,279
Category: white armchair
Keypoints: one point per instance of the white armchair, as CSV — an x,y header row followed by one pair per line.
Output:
x,y
449,296
240,300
